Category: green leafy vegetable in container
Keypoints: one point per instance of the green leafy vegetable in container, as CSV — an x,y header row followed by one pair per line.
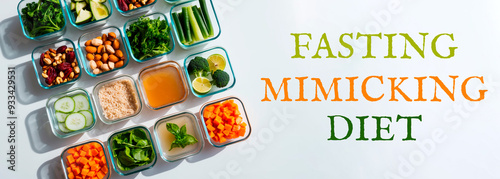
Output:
x,y
149,37
132,149
42,17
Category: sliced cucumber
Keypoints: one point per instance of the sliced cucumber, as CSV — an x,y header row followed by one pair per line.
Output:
x,y
61,117
89,119
75,121
65,104
99,11
81,102
63,128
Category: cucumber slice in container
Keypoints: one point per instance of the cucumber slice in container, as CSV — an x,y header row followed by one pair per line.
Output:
x,y
63,128
75,121
65,104
61,117
81,102
89,119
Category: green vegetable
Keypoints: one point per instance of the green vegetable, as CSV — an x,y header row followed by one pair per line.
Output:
x,y
186,26
182,139
149,37
196,29
221,78
199,67
43,17
199,20
178,27
132,149
204,12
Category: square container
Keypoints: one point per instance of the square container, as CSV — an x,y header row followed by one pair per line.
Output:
x,y
213,19
243,114
99,108
228,69
136,169
151,16
175,1
47,36
35,59
91,24
54,124
132,12
150,70
161,132
65,154
98,33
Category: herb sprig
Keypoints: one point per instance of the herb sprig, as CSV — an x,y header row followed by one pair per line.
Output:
x,y
182,139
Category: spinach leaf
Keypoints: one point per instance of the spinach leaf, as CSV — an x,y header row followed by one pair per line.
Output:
x,y
132,149
182,138
42,17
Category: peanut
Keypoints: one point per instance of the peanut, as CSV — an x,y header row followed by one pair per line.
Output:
x,y
90,49
99,64
119,64
96,71
96,42
44,75
97,57
47,61
116,44
88,43
113,58
105,57
112,35
109,49
72,75
77,70
90,57
105,67
100,49
119,53
93,65
59,80
111,65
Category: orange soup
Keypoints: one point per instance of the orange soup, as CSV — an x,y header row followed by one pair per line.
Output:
x,y
163,86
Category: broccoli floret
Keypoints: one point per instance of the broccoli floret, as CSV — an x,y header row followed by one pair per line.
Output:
x,y
221,78
199,67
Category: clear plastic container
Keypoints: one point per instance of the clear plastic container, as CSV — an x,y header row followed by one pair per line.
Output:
x,y
54,124
136,169
243,114
47,36
98,33
132,12
155,68
65,154
151,16
35,59
228,69
91,24
99,108
193,128
211,13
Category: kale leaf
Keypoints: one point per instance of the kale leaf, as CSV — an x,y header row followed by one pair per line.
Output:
x,y
149,37
43,17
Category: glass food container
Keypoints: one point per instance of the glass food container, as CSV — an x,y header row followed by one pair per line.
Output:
x,y
132,12
47,36
66,152
90,24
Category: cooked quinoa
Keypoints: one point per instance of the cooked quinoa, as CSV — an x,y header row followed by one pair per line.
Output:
x,y
118,99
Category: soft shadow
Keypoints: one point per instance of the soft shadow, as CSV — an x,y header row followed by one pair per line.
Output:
x,y
207,152
102,128
149,114
51,169
12,40
192,101
161,166
116,175
28,90
40,133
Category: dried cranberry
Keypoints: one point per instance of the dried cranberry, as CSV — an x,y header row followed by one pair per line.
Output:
x,y
67,72
70,56
41,60
51,73
63,66
61,49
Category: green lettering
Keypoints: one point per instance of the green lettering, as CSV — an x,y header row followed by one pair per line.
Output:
x,y
326,47
369,43
452,49
414,45
346,45
297,44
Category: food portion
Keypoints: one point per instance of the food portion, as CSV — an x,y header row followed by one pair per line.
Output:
x,y
126,5
223,121
42,17
208,72
149,37
132,149
104,54
59,66
88,10
193,23
163,86
73,113
175,140
118,99
86,161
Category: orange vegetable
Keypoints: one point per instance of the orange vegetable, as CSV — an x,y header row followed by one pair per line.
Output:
x,y
86,161
223,121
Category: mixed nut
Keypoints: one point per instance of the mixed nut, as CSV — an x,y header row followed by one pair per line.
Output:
x,y
104,54
126,5
59,66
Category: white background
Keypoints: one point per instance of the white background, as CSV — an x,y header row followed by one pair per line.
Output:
x,y
289,139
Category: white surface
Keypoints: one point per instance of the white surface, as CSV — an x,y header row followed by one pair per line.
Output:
x,y
257,37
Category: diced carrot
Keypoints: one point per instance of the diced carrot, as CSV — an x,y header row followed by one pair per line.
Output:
x,y
78,148
96,145
239,119
94,152
73,165
91,174
95,167
222,140
236,128
228,127
210,128
70,159
104,169
71,151
100,175
76,155
101,153
220,126
241,132
83,153
82,160
68,169
95,177
91,163
78,177
236,112
86,148
71,175
207,113
226,132
76,170
211,133
243,124
85,171
103,160
86,166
